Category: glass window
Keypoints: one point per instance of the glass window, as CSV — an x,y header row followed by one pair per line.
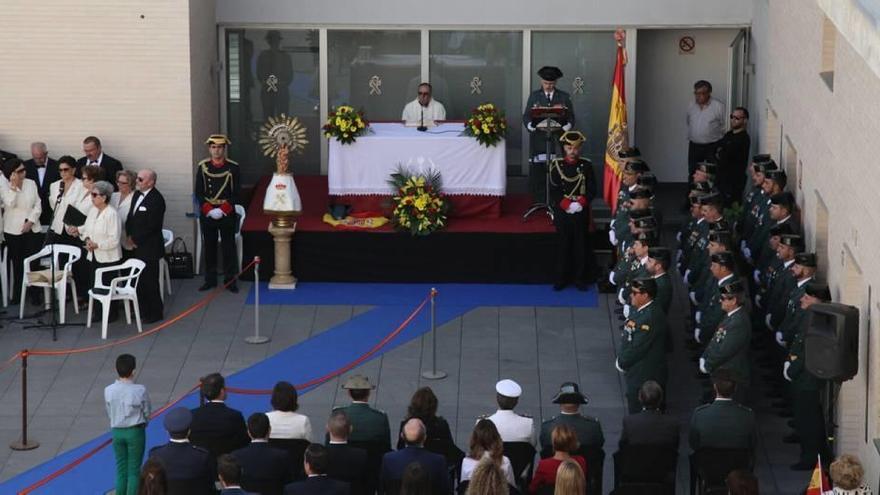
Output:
x,y
373,70
271,72
468,68
587,62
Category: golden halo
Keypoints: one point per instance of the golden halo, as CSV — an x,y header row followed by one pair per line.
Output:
x,y
281,130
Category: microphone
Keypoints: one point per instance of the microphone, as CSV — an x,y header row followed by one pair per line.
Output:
x,y
421,127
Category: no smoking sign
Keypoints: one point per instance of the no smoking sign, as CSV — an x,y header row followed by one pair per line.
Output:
x,y
686,45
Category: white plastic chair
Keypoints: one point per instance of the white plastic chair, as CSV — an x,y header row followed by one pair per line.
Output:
x,y
122,288
164,271
63,277
239,244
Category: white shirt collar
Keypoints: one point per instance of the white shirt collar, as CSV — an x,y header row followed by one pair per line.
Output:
x,y
643,259
723,399
780,222
658,275
645,305
701,220
723,279
730,313
175,440
788,263
259,440
337,442
802,282
98,161
632,187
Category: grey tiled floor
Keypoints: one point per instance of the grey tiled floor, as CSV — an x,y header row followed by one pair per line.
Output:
x,y
538,347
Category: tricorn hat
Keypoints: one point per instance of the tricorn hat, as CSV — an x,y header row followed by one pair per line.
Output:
x,y
635,167
785,199
358,382
721,237
572,138
570,393
661,254
548,73
218,139
724,258
805,259
732,286
631,152
647,180
793,240
647,284
818,290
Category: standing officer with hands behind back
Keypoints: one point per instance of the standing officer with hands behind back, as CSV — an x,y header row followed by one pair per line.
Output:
x,y
217,187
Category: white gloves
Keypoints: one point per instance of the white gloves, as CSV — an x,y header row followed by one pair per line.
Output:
x,y
756,275
575,207
747,253
678,237
216,214
697,335
767,321
626,310
611,277
530,127
693,296
698,315
687,274
743,245
678,255
779,339
617,365
758,300
566,127
620,297
612,237
611,225
703,366
785,370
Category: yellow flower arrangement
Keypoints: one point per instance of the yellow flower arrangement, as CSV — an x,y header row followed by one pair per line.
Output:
x,y
418,203
345,124
487,124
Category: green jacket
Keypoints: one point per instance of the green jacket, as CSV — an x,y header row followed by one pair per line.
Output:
x,y
664,292
729,347
801,378
722,424
367,424
794,315
642,355
588,428
777,296
752,211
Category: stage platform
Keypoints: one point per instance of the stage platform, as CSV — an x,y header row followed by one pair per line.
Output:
x,y
471,250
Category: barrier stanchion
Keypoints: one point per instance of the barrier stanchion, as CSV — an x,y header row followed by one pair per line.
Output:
x,y
24,443
434,373
256,338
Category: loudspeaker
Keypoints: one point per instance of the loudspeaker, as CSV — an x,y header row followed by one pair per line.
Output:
x,y
832,341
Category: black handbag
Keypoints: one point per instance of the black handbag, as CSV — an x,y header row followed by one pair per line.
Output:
x,y
180,260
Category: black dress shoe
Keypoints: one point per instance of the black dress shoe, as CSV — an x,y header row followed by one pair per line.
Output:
x,y
207,286
233,288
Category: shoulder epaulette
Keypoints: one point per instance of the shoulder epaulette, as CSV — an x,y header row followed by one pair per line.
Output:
x,y
231,161
206,160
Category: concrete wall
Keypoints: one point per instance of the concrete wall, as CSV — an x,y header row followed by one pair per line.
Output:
x,y
664,89
489,13
833,132
117,70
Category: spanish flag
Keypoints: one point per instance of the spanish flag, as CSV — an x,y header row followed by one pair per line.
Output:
x,y
819,484
617,128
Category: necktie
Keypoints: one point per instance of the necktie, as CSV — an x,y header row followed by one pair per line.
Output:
x,y
549,95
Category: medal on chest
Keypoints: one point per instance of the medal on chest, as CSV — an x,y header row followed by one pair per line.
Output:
x,y
720,334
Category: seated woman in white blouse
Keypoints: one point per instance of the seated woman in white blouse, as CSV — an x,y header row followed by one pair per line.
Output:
x,y
121,200
22,208
486,442
284,421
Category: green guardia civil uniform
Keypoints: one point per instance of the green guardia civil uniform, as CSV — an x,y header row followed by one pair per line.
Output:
x,y
794,319
642,354
777,296
809,420
722,424
729,348
664,292
367,424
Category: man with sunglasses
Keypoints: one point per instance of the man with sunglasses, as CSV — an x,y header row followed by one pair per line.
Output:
x,y
424,108
733,156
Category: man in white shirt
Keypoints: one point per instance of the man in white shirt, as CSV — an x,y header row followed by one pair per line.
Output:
x,y
423,108
511,426
705,122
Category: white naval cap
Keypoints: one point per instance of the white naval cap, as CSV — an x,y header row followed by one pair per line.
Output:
x,y
508,388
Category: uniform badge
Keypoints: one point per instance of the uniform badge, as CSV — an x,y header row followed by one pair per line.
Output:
x,y
645,328
792,357
720,334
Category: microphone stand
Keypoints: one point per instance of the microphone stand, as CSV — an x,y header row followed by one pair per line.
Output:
x,y
52,296
421,127
550,126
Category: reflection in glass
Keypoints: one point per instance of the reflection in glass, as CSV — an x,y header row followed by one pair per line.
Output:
x,y
468,68
271,72
587,62
373,70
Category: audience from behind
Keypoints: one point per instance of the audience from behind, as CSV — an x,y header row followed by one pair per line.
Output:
x,y
511,426
344,462
570,479
121,200
723,423
215,426
190,470
265,468
285,421
847,476
395,463
488,479
588,428
153,480
423,406
741,482
43,171
21,221
94,155
128,406
317,482
368,425
415,480
229,473
486,442
143,228
650,426
564,440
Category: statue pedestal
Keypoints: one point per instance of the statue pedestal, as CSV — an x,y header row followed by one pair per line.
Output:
x,y
282,230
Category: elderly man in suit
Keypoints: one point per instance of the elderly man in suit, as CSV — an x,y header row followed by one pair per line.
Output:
x,y
143,228
265,469
546,96
395,463
344,462
190,470
43,171
317,483
650,426
216,426
94,155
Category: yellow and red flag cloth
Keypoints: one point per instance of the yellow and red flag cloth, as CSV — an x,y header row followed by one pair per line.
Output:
x,y
819,484
617,128
357,221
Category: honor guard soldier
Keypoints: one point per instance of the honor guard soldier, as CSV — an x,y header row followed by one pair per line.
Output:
x,y
217,187
588,428
728,349
723,423
752,206
572,188
511,426
632,170
709,313
804,269
659,259
642,355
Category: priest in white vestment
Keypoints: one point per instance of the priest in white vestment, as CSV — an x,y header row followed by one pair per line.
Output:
x,y
424,108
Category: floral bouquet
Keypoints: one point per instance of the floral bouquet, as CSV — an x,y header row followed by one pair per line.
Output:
x,y
345,124
419,206
487,124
